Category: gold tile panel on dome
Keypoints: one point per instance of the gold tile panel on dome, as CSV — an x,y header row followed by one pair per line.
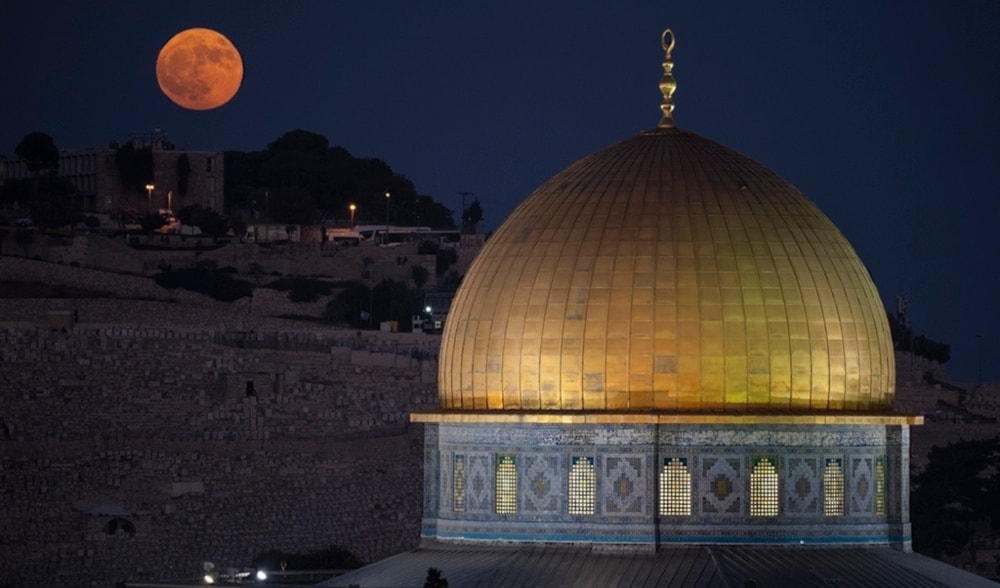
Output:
x,y
667,272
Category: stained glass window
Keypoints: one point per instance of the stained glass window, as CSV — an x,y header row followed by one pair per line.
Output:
x,y
675,487
764,488
506,497
582,486
458,483
833,488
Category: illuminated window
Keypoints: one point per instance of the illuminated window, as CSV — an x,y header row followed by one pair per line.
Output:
x,y
675,487
833,488
506,484
458,483
582,486
880,486
764,488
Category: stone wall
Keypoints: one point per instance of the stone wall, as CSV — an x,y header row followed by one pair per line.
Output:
x,y
367,262
138,452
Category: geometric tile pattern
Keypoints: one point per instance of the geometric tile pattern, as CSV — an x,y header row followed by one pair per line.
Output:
x,y
633,483
478,489
862,485
803,485
543,484
623,478
722,477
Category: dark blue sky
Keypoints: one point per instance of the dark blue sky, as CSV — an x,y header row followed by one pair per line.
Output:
x,y
886,114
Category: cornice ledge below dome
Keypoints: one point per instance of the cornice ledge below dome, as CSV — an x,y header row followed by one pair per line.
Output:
x,y
664,417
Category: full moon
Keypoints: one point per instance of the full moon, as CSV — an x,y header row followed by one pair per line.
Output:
x,y
199,69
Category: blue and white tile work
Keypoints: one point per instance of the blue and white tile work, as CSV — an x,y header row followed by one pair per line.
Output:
x,y
826,483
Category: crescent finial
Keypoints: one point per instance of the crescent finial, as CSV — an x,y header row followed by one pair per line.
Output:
x,y
667,83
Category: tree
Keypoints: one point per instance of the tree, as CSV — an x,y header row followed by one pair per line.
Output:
x,y
309,179
39,152
51,206
152,221
472,216
419,274
208,220
351,306
954,497
135,166
290,205
446,258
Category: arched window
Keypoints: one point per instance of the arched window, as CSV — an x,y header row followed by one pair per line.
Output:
x,y
582,486
506,486
833,488
764,487
675,487
458,484
880,486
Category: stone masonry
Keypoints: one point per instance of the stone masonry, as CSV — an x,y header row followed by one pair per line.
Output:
x,y
131,452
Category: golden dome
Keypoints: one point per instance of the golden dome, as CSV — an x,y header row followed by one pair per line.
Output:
x,y
667,272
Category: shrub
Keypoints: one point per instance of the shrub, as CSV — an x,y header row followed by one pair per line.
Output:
x,y
302,289
219,286
428,248
419,274
445,259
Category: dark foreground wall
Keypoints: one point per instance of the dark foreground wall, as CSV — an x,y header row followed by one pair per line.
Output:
x,y
131,453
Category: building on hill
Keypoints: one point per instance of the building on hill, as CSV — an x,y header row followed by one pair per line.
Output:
x,y
180,177
666,367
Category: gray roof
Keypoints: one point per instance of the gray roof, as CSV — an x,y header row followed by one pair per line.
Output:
x,y
542,566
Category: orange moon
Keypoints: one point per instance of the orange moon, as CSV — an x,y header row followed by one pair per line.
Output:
x,y
199,69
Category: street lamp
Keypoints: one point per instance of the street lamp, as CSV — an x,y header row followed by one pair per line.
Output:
x,y
387,210
149,196
352,208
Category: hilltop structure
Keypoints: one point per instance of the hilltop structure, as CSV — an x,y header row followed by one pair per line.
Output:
x,y
179,177
666,367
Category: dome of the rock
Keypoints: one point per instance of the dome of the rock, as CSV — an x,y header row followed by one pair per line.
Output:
x,y
668,273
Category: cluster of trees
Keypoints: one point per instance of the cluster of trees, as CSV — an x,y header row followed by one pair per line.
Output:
x,y
45,193
903,339
301,179
298,179
954,506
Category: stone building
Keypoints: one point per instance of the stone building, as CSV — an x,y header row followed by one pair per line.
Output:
x,y
667,367
94,173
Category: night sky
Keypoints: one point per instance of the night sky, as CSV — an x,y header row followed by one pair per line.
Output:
x,y
886,114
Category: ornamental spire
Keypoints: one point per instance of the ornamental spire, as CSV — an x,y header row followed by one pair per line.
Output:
x,y
667,83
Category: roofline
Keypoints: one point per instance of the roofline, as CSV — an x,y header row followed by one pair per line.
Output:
x,y
663,417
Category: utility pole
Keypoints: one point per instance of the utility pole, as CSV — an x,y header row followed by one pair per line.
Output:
x,y
979,339
463,195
